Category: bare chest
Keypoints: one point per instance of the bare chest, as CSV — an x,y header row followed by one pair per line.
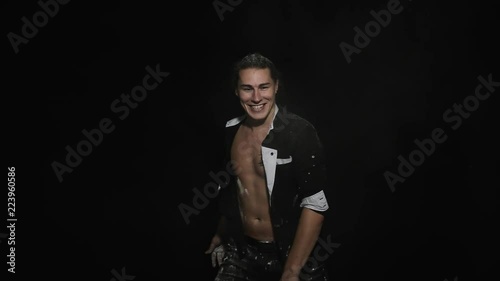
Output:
x,y
246,154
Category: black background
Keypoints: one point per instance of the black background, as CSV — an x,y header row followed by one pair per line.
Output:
x,y
119,208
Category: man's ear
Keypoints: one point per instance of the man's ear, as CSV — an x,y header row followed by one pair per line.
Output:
x,y
277,86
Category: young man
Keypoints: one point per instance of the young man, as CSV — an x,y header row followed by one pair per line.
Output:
x,y
273,207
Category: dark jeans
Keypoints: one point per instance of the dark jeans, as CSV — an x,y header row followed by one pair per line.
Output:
x,y
260,262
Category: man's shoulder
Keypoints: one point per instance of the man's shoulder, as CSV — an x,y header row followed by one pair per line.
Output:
x,y
290,118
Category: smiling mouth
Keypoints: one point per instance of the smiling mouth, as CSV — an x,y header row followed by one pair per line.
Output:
x,y
256,108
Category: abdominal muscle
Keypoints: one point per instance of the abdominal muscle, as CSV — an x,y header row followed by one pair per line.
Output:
x,y
254,209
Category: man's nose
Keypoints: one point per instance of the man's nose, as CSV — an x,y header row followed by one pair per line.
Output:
x,y
256,97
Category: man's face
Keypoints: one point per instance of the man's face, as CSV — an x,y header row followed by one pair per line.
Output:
x,y
257,91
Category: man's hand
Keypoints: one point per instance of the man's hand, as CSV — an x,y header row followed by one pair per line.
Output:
x,y
216,250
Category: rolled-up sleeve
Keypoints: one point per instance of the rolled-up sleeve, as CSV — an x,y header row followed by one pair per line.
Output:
x,y
310,170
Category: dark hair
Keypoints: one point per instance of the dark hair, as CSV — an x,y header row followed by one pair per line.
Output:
x,y
253,60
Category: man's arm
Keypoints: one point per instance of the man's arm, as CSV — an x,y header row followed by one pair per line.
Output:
x,y
306,236
219,232
216,242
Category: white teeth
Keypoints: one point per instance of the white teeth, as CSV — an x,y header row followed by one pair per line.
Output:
x,y
256,107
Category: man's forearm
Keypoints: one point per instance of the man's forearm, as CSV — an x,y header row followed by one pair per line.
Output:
x,y
221,226
307,234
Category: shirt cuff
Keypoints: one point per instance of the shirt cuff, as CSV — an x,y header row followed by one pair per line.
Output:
x,y
315,202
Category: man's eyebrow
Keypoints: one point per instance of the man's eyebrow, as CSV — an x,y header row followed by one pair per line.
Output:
x,y
260,85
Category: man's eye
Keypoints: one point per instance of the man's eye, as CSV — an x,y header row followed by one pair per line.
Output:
x,y
265,87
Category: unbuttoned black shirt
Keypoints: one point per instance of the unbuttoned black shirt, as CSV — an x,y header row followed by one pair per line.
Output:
x,y
296,176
